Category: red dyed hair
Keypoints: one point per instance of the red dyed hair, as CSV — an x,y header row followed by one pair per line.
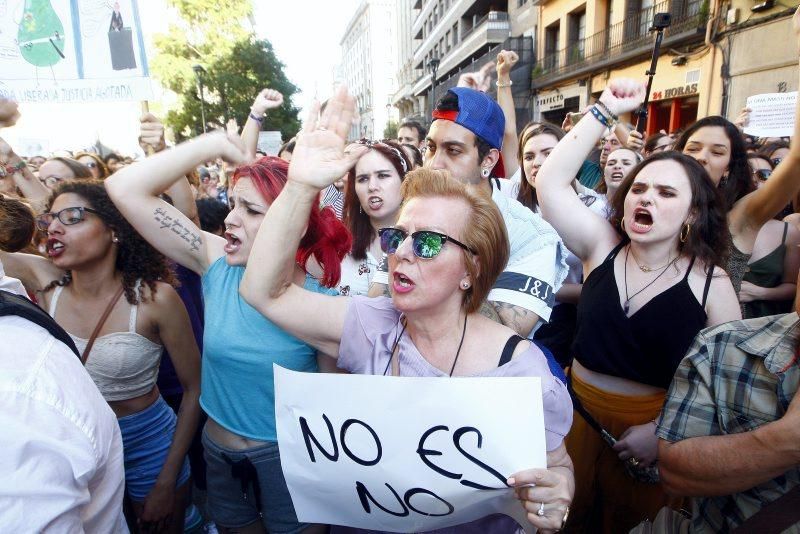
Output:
x,y
326,238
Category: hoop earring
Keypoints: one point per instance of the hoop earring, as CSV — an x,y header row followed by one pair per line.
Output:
x,y
685,235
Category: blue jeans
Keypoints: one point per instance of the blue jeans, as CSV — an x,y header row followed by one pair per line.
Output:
x,y
245,486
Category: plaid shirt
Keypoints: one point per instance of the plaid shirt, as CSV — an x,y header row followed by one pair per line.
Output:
x,y
735,378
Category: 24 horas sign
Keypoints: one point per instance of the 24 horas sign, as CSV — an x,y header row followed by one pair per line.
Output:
x,y
675,92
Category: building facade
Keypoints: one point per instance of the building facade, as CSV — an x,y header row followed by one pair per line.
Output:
x,y
368,65
458,36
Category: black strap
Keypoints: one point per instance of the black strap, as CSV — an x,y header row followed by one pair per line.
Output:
x,y
11,304
508,350
494,180
244,470
774,517
615,250
785,229
590,420
708,286
689,270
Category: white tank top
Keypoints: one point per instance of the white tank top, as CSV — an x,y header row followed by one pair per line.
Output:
x,y
123,365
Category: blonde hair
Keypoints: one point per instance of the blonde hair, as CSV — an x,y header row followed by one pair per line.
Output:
x,y
485,231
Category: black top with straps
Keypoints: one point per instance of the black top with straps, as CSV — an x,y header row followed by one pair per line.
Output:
x,y
645,347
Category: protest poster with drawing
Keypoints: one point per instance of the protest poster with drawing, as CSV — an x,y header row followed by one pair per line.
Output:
x,y
406,454
771,114
72,51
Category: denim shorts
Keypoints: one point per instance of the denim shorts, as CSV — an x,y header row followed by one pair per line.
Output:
x,y
146,439
232,506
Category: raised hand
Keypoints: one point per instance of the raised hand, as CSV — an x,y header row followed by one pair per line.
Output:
x,y
743,118
151,133
9,113
635,141
479,80
265,100
623,95
506,59
319,157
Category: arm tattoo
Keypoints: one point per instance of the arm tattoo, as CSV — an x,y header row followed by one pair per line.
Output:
x,y
487,310
519,319
174,224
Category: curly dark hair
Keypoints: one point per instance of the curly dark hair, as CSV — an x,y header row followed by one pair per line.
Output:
x,y
709,237
136,259
739,183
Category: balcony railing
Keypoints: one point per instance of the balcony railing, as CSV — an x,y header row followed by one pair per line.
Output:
x,y
497,20
631,34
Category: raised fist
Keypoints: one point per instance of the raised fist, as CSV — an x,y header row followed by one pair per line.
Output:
x,y
623,95
267,99
506,59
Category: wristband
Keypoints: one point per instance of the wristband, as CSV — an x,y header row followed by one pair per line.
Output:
x,y
255,118
509,84
608,111
7,169
599,116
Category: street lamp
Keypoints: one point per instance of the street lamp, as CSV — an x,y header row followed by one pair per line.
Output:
x,y
199,73
433,65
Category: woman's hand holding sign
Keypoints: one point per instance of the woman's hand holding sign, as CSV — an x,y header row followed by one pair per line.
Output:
x,y
547,493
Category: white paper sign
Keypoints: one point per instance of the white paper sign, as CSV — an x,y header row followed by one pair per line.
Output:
x,y
406,454
72,51
772,115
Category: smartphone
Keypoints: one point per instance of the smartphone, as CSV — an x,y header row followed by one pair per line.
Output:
x,y
574,118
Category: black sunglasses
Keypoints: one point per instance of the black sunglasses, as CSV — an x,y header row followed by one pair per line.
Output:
x,y
762,174
776,161
67,216
425,243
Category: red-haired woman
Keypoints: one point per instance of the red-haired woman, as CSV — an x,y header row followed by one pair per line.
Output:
x,y
372,201
246,488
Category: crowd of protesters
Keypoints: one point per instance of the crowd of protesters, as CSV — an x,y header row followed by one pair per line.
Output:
x,y
650,282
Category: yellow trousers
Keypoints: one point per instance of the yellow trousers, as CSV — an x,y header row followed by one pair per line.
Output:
x,y
606,498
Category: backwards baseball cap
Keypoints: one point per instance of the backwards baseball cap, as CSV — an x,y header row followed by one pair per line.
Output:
x,y
479,114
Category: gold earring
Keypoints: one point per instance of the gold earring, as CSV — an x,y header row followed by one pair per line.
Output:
x,y
685,232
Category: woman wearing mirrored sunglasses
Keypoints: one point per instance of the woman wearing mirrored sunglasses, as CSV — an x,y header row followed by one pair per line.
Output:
x,y
770,281
446,250
94,163
98,262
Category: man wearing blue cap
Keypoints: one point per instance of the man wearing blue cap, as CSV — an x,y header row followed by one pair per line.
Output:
x,y
465,139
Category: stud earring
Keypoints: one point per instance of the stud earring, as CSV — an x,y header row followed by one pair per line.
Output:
x,y
115,239
485,173
464,285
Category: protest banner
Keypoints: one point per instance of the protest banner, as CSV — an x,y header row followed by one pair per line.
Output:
x,y
771,115
405,454
269,142
72,51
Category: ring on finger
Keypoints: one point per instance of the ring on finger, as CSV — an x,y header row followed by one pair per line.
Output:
x,y
540,511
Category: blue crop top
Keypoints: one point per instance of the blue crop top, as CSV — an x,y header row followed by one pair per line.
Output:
x,y
239,347
645,347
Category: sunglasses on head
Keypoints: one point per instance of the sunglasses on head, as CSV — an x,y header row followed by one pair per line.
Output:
x,y
67,216
425,243
763,174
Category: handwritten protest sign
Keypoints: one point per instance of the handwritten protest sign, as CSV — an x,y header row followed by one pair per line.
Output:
x,y
406,454
772,114
72,51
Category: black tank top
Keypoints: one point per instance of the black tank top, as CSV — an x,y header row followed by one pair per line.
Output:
x,y
645,347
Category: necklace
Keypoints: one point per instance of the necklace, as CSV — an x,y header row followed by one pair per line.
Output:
x,y
645,268
397,341
627,306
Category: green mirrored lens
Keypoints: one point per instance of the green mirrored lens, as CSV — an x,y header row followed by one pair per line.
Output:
x,y
427,244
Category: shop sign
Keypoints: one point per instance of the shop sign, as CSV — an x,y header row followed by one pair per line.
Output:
x,y
675,92
550,101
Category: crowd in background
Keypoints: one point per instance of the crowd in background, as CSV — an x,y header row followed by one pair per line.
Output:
x,y
617,267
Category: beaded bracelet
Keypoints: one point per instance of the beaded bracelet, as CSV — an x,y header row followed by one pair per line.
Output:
x,y
608,111
599,116
255,118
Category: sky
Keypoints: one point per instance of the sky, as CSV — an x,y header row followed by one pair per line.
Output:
x,y
305,35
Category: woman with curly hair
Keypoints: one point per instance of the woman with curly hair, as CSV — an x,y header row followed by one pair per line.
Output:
x,y
96,257
246,488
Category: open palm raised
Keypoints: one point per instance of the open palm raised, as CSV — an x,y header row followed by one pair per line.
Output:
x,y
319,157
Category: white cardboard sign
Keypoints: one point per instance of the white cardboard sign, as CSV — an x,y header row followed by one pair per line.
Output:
x,y
771,115
405,454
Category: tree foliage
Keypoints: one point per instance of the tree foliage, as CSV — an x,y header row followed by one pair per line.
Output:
x,y
213,34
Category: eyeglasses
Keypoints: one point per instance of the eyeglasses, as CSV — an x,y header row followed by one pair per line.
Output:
x,y
52,180
776,161
67,216
762,174
425,243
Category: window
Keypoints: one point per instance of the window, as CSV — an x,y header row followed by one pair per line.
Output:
x,y
551,39
576,36
521,3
